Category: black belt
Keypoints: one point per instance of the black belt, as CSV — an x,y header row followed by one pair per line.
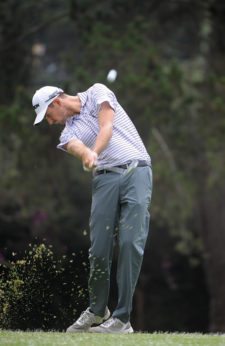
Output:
x,y
141,163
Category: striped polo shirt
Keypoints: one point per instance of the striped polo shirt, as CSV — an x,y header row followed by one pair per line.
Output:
x,y
125,143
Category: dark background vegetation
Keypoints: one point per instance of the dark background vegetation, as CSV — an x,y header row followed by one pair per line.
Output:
x,y
170,61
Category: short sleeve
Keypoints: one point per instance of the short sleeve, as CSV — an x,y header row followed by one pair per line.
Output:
x,y
67,135
101,93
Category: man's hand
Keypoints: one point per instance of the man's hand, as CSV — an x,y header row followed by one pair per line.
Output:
x,y
85,154
89,159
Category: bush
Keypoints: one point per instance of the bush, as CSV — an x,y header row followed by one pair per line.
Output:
x,y
41,291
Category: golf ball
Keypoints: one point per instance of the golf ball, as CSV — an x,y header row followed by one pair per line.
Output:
x,y
111,76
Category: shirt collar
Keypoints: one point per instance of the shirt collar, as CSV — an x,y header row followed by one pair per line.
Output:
x,y
83,97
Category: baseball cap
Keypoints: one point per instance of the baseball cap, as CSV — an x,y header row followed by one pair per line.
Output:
x,y
42,99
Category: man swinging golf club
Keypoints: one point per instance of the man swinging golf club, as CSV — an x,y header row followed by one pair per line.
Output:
x,y
99,132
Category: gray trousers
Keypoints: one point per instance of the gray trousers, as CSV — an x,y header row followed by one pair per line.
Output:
x,y
119,201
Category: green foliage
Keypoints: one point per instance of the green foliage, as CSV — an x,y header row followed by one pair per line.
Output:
x,y
41,291
171,82
35,193
17,34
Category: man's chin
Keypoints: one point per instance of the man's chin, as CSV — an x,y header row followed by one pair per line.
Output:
x,y
62,122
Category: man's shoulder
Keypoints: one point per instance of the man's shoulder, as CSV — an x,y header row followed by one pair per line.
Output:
x,y
99,86
95,88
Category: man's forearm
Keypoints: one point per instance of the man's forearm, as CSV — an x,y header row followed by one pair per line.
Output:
x,y
76,148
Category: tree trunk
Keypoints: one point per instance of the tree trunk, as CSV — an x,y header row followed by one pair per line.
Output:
x,y
213,237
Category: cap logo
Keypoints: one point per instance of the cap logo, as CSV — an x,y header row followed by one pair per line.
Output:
x,y
36,106
54,94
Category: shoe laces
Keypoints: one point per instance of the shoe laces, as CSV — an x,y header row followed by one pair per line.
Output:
x,y
86,315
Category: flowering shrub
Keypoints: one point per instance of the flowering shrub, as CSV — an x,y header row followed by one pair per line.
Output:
x,y
41,291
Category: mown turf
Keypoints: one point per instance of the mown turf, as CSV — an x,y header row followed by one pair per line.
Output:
x,y
83,339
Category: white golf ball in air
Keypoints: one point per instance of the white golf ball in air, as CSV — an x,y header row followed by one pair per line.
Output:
x,y
111,76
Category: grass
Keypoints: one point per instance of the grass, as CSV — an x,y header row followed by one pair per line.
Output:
x,y
18,338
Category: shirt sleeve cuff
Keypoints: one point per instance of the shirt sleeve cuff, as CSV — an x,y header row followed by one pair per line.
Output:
x,y
61,146
105,99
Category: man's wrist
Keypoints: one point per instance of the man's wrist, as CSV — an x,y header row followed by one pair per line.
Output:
x,y
95,151
87,151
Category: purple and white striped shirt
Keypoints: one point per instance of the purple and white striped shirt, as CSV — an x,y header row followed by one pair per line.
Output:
x,y
125,143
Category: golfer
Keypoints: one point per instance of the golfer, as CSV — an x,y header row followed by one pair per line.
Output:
x,y
99,132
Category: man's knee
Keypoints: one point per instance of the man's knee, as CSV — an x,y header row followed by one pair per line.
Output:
x,y
132,246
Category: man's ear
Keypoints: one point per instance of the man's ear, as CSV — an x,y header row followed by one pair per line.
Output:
x,y
56,102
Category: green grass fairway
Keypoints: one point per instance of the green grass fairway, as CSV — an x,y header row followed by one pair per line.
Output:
x,y
8,338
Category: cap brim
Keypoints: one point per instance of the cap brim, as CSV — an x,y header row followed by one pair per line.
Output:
x,y
40,116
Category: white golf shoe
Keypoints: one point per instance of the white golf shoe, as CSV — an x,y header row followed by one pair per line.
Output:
x,y
113,325
86,320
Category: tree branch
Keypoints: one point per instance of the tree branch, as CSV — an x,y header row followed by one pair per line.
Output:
x,y
169,156
165,148
34,30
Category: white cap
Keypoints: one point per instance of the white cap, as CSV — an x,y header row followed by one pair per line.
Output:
x,y
42,99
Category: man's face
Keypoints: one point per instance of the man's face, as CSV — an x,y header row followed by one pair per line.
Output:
x,y
56,113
